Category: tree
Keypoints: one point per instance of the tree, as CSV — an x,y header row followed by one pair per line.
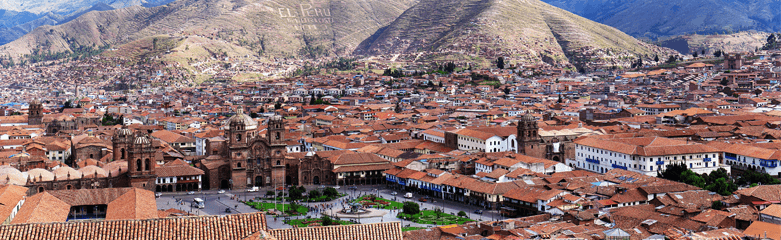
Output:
x,y
748,177
269,193
314,194
331,192
722,186
717,205
691,178
500,63
327,221
724,82
694,54
672,59
411,208
656,58
296,192
506,90
253,115
277,106
673,172
717,53
462,214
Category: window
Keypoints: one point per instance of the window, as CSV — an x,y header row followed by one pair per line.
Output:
x,y
146,164
138,165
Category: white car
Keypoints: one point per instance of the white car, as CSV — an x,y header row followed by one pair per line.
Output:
x,y
253,189
221,191
337,187
190,193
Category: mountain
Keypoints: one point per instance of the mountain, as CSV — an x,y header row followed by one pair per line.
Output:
x,y
736,42
283,28
655,19
18,17
526,31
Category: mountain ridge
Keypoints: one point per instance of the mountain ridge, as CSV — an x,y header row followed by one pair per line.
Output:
x,y
525,31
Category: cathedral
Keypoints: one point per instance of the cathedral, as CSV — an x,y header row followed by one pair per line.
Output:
x,y
532,143
133,166
249,159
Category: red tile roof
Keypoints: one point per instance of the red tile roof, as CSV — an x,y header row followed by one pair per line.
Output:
x,y
226,227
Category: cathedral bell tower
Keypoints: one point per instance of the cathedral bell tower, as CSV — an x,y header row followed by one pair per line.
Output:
x,y
238,147
122,142
141,163
275,135
528,135
35,113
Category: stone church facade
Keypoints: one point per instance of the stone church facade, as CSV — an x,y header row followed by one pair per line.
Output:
x,y
249,160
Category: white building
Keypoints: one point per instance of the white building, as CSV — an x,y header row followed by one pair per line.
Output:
x,y
748,157
487,139
645,155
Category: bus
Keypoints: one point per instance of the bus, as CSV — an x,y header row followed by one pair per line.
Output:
x,y
198,203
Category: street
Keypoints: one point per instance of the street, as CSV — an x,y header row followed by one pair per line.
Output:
x,y
215,204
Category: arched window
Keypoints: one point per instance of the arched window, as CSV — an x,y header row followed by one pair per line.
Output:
x,y
90,156
138,164
238,164
277,137
238,137
146,164
122,151
278,163
69,187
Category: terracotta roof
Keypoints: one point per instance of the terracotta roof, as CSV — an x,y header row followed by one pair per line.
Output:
x,y
772,210
378,231
135,204
10,195
224,227
41,208
762,229
177,168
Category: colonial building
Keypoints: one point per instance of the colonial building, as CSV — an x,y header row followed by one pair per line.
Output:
x,y
251,160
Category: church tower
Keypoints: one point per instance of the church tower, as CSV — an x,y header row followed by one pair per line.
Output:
x,y
35,113
238,147
121,143
141,163
528,135
275,136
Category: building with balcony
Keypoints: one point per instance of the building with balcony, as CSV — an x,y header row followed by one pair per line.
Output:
x,y
645,155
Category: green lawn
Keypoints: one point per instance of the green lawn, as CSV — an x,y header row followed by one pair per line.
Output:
x,y
404,229
430,217
390,205
281,207
312,221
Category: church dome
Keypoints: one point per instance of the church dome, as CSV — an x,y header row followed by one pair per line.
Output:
x,y
124,132
39,174
66,173
241,118
528,118
142,140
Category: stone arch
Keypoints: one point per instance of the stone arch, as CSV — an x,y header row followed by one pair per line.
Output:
x,y
146,164
258,181
40,189
138,165
224,184
122,153
316,180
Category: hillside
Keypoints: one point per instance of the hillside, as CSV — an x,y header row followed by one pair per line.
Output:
x,y
18,17
278,28
736,42
525,31
653,19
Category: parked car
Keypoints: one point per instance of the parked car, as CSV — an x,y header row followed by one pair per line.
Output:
x,y
423,199
228,210
337,187
408,195
190,193
221,191
253,189
394,193
478,211
352,187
